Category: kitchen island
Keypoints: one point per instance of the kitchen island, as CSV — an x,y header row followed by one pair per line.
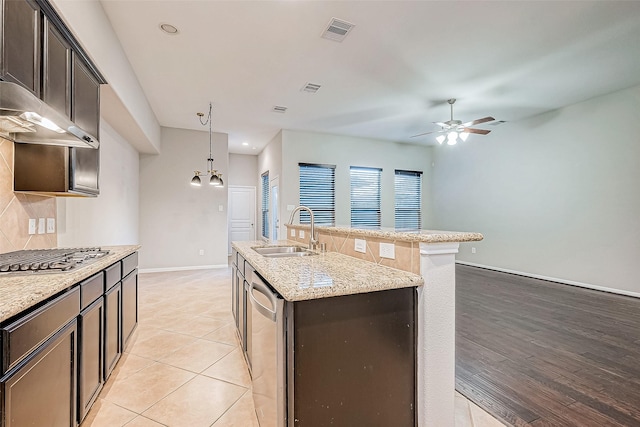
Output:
x,y
336,335
430,254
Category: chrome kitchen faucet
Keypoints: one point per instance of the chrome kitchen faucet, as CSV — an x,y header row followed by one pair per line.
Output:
x,y
313,243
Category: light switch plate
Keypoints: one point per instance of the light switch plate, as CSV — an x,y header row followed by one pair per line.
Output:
x,y
32,226
301,234
293,232
220,208
360,245
51,225
388,250
41,226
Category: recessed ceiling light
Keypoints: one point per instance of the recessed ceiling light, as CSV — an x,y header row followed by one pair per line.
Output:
x,y
169,29
245,143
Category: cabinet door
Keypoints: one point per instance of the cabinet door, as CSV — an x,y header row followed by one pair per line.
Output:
x,y
85,98
234,294
42,391
91,355
56,70
20,58
112,328
129,306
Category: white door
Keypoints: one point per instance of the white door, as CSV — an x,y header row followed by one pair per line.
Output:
x,y
242,214
275,215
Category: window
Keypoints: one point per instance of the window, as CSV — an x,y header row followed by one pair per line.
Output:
x,y
265,205
408,200
318,192
365,197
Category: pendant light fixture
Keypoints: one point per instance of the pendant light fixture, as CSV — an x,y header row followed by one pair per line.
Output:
x,y
215,177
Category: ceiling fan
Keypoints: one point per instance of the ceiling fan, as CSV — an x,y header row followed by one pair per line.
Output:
x,y
452,129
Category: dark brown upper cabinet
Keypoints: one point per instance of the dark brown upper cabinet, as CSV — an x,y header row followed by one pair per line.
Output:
x,y
85,98
56,70
20,43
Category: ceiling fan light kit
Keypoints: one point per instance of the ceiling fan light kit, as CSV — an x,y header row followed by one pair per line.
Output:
x,y
452,130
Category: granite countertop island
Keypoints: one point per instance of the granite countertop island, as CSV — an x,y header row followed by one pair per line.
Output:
x,y
20,292
324,275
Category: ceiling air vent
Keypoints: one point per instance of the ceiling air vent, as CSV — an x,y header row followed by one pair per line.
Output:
x,y
279,109
337,30
310,87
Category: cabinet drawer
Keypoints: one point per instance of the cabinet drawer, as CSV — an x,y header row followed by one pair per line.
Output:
x,y
113,275
129,264
91,289
24,335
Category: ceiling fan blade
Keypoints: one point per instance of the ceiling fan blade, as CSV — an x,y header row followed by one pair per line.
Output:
x,y
478,121
478,131
426,133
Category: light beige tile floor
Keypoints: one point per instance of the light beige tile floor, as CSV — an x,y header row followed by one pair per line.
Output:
x,y
183,366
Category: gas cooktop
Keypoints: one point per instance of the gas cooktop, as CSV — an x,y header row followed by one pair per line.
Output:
x,y
48,260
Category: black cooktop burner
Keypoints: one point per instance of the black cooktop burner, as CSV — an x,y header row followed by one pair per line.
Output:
x,y
48,260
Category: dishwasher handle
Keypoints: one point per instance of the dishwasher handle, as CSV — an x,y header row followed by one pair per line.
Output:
x,y
264,290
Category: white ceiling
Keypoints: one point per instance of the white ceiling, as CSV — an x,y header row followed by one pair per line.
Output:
x,y
389,79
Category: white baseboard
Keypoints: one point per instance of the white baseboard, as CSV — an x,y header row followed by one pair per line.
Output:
x,y
553,279
196,267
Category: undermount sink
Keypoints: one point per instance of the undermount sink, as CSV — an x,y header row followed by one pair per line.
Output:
x,y
283,251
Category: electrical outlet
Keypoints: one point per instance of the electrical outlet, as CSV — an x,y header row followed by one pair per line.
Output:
x,y
51,225
301,234
387,250
290,208
220,208
32,226
201,252
360,245
293,232
41,226
473,250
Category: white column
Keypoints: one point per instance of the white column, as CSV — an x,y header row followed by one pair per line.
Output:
x,y
436,335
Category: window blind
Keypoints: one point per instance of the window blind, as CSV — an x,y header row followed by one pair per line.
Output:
x,y
265,205
365,197
408,206
318,192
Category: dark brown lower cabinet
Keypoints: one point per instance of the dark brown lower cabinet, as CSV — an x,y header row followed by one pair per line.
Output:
x,y
112,328
354,360
91,355
42,391
129,306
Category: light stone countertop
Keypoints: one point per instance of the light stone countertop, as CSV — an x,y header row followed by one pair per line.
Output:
x,y
324,275
426,236
19,292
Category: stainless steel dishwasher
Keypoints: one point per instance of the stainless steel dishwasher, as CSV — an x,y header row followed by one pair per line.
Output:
x,y
267,353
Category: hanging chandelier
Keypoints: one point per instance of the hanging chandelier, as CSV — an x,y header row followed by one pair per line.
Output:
x,y
215,176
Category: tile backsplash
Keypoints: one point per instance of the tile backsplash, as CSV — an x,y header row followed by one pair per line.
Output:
x,y
17,208
407,254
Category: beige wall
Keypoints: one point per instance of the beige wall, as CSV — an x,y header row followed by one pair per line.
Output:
x,y
112,217
16,209
555,195
177,220
243,169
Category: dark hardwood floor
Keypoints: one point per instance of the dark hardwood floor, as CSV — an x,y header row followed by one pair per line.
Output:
x,y
537,353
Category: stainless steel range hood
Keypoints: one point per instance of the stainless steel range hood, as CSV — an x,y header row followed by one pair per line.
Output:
x,y
25,118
